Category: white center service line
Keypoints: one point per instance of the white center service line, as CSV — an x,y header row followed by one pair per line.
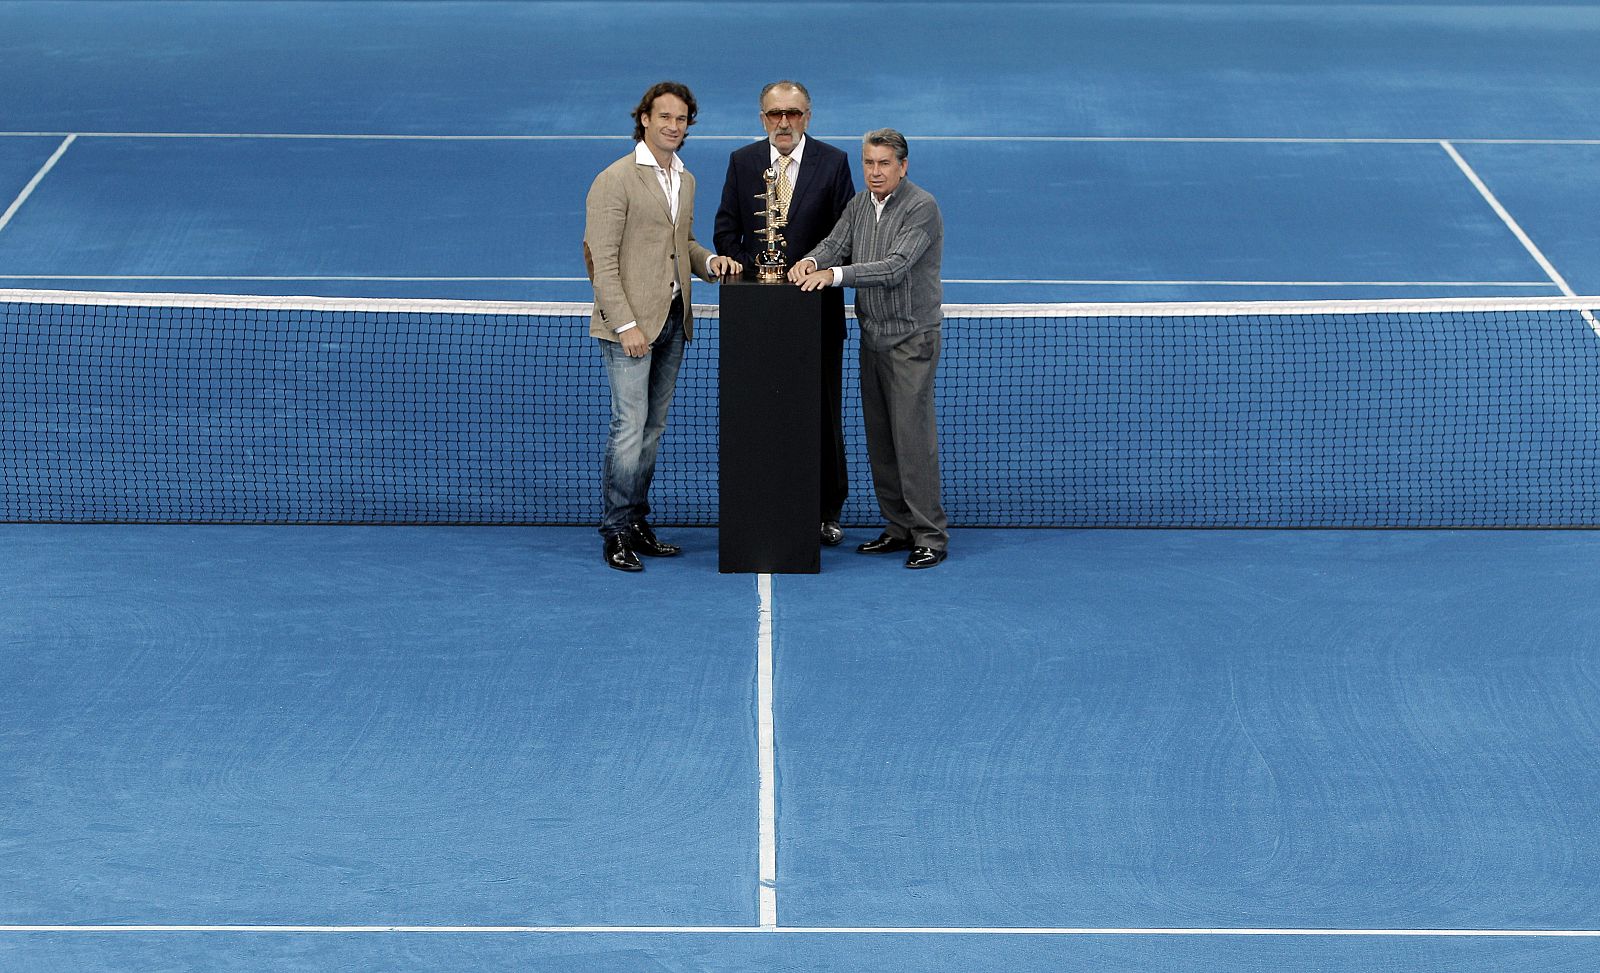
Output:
x,y
33,183
765,733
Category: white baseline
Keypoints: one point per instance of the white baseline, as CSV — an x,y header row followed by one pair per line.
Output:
x,y
836,137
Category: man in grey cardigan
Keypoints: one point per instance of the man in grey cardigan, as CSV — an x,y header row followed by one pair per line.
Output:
x,y
888,246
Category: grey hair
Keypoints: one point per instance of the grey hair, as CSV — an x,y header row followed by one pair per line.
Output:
x,y
785,84
889,137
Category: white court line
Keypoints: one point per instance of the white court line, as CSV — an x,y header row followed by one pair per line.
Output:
x,y
1086,281
1508,220
765,740
823,931
1517,231
347,137
837,137
1258,283
33,183
1244,139
285,278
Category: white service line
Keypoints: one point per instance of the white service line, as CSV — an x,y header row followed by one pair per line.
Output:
x,y
1258,283
1238,139
821,931
345,136
33,183
765,734
1517,231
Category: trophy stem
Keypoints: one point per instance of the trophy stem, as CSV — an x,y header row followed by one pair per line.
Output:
x,y
771,267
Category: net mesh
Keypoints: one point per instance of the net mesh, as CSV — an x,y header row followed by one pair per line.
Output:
x,y
186,408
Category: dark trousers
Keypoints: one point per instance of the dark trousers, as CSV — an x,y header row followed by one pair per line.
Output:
x,y
903,438
831,464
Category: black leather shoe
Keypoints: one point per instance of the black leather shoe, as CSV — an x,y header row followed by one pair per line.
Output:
x,y
619,555
884,544
832,534
924,557
644,542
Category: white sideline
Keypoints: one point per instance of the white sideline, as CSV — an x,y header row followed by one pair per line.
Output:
x,y
1516,230
38,177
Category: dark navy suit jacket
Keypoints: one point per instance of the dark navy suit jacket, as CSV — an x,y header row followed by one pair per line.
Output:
x,y
820,195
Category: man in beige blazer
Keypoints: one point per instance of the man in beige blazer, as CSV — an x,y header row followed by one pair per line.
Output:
x,y
639,240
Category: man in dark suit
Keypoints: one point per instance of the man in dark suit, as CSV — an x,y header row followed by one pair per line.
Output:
x,y
815,184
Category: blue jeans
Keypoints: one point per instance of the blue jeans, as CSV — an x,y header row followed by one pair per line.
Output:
x,y
641,392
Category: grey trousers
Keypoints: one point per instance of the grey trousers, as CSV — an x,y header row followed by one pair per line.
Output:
x,y
903,438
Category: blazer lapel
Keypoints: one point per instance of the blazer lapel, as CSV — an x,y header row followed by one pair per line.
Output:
x,y
652,185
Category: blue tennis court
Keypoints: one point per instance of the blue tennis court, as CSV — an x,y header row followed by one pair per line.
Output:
x,y
347,730
1099,151
1032,221
437,744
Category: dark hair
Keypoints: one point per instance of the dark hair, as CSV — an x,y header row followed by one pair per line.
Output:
x,y
889,137
648,103
786,84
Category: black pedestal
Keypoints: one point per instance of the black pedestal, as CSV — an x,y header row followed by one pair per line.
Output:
x,y
770,411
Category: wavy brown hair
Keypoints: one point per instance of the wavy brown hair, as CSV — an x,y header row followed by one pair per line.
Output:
x,y
648,102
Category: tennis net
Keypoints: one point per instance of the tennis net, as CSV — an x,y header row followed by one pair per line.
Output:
x,y
194,408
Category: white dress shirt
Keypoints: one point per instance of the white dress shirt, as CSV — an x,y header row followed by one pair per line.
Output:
x,y
670,177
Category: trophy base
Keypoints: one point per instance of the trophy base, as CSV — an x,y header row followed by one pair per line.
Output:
x,y
771,274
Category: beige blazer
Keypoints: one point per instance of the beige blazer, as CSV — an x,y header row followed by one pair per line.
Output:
x,y
630,237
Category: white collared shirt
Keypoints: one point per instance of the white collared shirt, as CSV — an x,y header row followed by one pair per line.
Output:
x,y
670,177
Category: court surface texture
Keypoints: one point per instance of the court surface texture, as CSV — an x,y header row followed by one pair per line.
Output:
x,y
473,748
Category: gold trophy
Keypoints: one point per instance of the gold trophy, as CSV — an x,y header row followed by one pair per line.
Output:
x,y
770,265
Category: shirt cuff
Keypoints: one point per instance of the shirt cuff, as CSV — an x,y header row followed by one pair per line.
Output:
x,y
627,327
838,276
